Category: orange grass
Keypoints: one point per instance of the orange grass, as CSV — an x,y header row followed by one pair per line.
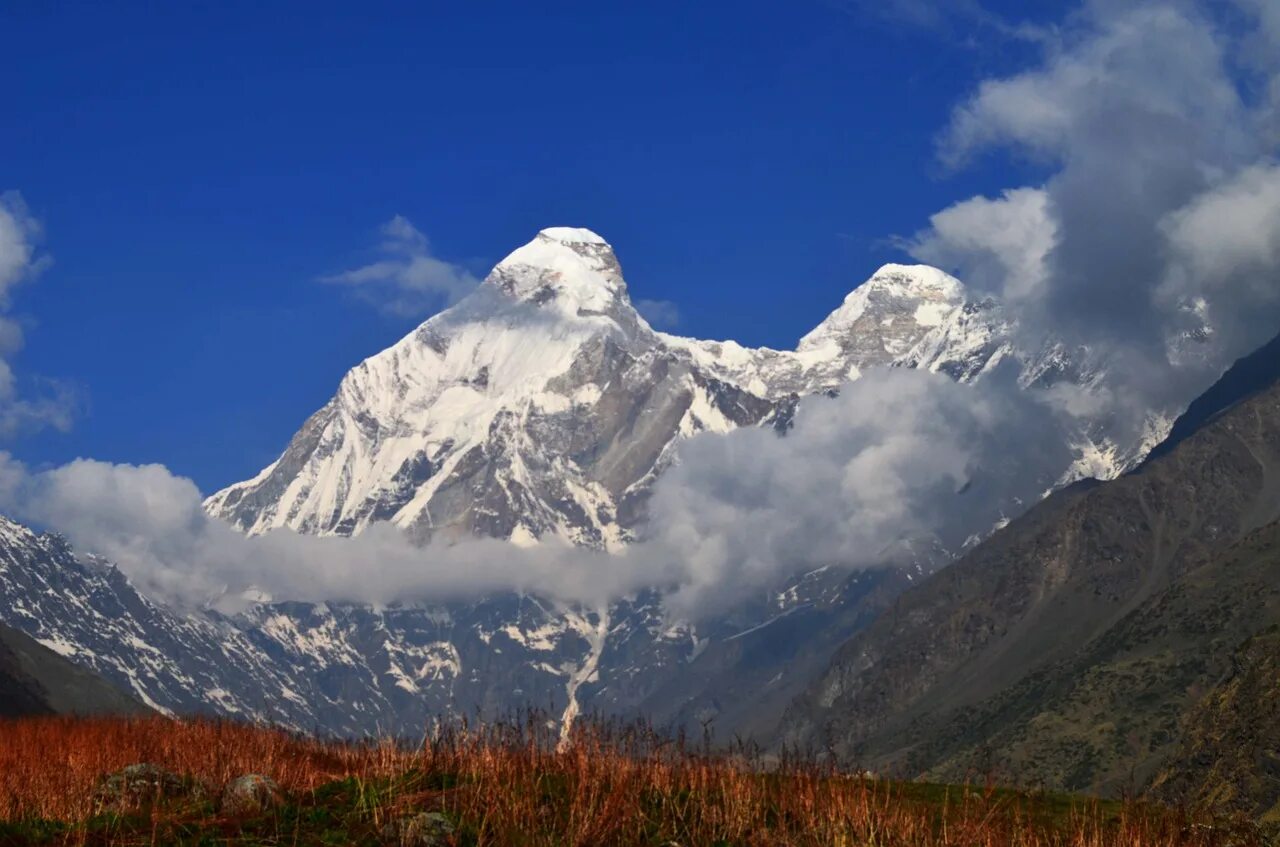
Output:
x,y
606,785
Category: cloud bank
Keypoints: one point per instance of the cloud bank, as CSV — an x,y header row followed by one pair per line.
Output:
x,y
900,457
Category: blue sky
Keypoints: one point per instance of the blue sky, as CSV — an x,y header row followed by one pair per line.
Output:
x,y
197,173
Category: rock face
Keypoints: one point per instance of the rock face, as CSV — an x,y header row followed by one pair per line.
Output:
x,y
87,612
251,794
1073,648
542,404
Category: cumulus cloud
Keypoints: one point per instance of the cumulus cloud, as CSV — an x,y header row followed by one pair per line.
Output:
x,y
901,463
1158,216
150,523
1003,244
408,279
19,233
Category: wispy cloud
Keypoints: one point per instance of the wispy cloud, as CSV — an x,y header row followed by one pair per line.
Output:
x,y
54,403
661,314
948,18
407,279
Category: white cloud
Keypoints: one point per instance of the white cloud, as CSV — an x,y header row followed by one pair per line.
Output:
x,y
20,261
899,457
900,460
1230,229
1224,255
408,279
1146,70
943,17
19,234
999,246
1157,209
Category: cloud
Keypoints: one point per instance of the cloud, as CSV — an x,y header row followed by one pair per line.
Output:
x,y
19,234
151,523
55,404
942,16
1158,211
1002,244
899,458
661,314
900,463
1161,208
408,279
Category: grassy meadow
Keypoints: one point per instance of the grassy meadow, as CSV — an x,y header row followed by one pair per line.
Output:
x,y
516,784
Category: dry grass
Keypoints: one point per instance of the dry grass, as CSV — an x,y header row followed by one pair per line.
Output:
x,y
512,784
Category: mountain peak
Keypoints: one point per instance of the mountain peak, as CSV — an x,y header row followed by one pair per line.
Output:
x,y
890,310
913,280
571,235
570,269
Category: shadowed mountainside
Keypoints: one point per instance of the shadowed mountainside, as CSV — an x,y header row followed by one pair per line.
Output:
x,y
35,680
1071,648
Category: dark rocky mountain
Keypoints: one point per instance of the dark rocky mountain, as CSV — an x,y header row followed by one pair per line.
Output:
x,y
34,680
1077,648
1229,757
1251,374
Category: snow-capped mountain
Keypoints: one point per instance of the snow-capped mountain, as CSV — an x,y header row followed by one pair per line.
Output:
x,y
541,405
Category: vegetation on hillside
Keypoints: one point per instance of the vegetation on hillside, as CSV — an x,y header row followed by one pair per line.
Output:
x,y
510,784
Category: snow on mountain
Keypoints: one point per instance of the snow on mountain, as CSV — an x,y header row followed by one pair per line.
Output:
x,y
543,403
877,325
349,670
88,612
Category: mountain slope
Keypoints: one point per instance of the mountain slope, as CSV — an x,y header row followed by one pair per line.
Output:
x,y
1229,757
1253,373
1067,648
87,612
540,405
34,680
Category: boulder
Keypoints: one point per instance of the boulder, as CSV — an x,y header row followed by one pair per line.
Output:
x,y
142,783
251,794
425,829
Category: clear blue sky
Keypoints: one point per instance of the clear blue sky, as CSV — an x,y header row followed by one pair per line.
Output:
x,y
197,170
